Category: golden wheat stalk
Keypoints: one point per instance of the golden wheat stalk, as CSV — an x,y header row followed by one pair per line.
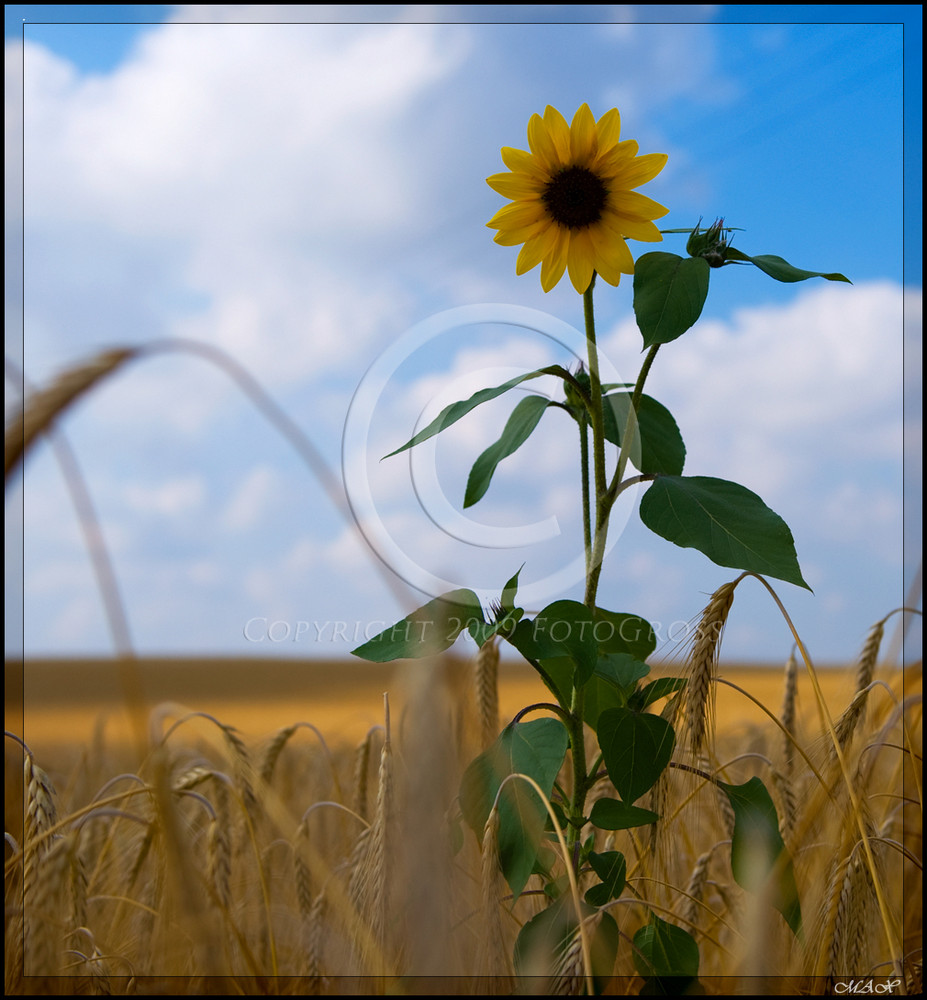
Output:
x,y
854,713
692,906
315,941
850,908
487,690
43,406
273,751
361,771
494,960
371,864
789,709
219,857
702,669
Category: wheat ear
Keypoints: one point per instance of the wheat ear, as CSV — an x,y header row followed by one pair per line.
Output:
x,y
789,705
361,771
853,903
487,690
493,957
853,715
314,942
694,889
218,850
41,816
42,406
703,664
273,751
369,881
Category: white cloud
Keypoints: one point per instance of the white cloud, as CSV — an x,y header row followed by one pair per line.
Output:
x,y
251,501
264,161
170,499
780,391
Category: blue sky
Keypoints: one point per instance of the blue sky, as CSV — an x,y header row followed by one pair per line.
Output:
x,y
301,196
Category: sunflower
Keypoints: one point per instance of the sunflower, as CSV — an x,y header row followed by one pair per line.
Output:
x,y
572,200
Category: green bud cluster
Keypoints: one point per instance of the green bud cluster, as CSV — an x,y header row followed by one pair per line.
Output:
x,y
710,243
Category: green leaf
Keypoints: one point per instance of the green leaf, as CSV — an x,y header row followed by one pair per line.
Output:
x,y
654,691
611,685
451,414
659,448
537,749
482,632
622,669
611,868
564,628
544,940
610,814
662,949
669,292
510,590
635,749
781,269
725,521
759,858
505,615
430,630
618,632
517,430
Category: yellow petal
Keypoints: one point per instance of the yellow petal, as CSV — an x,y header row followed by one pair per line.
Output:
x,y
512,237
612,163
609,129
517,214
581,260
536,249
559,132
583,141
640,170
612,256
543,147
522,162
636,205
554,264
633,227
515,186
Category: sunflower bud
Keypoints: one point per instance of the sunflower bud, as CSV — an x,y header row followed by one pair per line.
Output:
x,y
573,397
709,243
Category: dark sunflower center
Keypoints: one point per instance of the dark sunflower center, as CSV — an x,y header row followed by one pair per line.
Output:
x,y
575,197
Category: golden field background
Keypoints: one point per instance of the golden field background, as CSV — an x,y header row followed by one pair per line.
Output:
x,y
59,705
155,852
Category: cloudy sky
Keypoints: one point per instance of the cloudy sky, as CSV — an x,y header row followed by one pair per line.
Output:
x,y
303,189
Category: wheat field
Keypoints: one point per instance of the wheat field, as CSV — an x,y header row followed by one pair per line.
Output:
x,y
198,845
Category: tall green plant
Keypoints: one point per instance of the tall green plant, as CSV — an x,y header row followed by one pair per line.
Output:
x,y
572,208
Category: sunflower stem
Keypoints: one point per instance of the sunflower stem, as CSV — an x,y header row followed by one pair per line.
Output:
x,y
630,427
584,473
598,453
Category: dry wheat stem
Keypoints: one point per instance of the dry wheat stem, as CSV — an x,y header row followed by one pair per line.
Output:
x,y
785,732
568,864
41,407
888,923
789,699
492,958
